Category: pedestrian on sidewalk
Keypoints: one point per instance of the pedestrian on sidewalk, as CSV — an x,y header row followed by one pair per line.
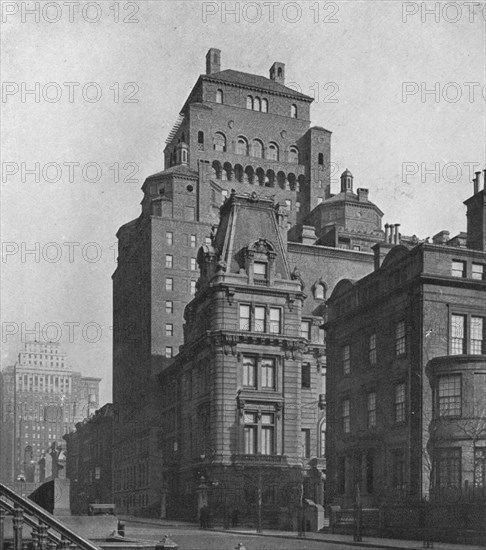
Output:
x,y
234,517
203,517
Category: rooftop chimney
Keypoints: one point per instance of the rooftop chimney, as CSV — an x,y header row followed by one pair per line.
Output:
x,y
277,72
362,195
476,216
396,236
213,61
387,232
476,181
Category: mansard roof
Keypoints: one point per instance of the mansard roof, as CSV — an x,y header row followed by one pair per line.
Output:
x,y
249,222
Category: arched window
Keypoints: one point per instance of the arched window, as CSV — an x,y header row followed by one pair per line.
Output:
x,y
294,155
250,174
184,156
241,146
293,111
200,137
279,71
249,102
270,179
216,166
219,96
260,174
257,148
227,171
219,142
292,181
264,105
272,152
281,178
257,104
320,159
239,173
300,183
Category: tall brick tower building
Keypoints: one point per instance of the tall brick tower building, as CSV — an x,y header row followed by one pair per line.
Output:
x,y
252,134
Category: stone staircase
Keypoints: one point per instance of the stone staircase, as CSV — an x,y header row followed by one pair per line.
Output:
x,y
25,524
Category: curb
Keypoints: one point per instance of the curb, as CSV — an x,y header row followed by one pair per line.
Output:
x,y
362,544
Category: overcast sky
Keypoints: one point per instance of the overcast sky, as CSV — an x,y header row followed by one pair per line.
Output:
x,y
368,64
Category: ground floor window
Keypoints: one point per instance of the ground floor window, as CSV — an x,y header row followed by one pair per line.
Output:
x,y
448,467
259,431
398,470
480,467
370,472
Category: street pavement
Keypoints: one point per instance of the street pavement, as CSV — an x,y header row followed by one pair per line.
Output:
x,y
189,537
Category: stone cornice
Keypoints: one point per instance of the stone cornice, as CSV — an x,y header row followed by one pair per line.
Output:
x,y
292,347
341,253
211,78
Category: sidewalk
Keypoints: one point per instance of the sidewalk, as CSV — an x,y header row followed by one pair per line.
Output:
x,y
367,542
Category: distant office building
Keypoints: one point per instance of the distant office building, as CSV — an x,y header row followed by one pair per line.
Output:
x,y
42,399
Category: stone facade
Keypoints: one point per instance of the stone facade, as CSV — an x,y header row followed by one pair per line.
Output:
x,y
251,134
406,392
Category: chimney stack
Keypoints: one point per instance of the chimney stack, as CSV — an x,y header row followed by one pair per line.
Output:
x,y
277,72
476,181
213,61
362,195
397,234
476,215
387,232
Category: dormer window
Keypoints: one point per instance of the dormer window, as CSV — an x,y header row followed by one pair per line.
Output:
x,y
259,262
319,291
219,96
260,270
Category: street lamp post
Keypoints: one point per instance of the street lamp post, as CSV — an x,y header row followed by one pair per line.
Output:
x,y
357,515
21,479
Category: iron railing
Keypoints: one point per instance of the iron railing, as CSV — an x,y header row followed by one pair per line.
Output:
x,y
48,533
